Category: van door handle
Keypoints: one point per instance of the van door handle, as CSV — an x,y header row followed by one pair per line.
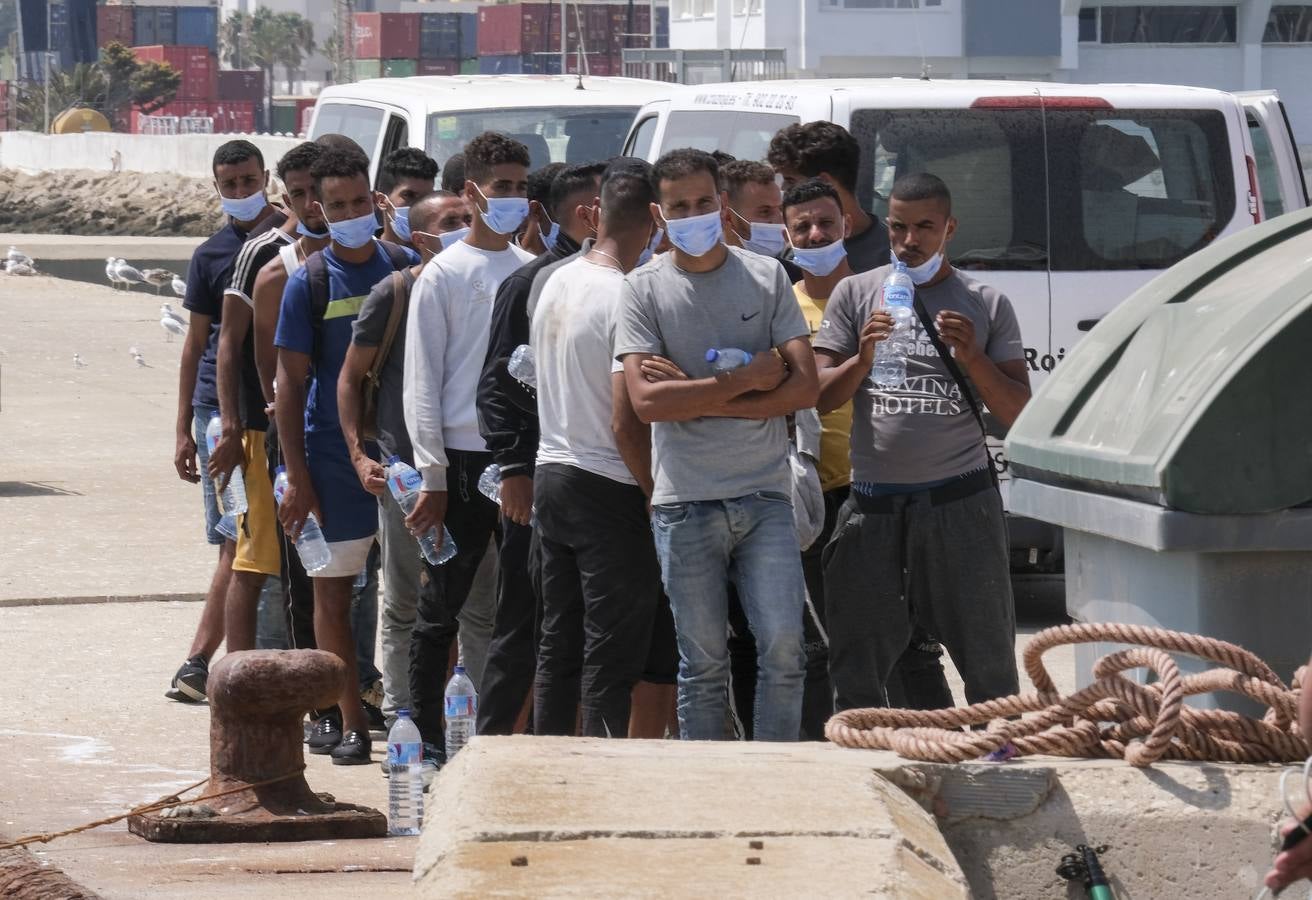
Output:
x,y
1087,324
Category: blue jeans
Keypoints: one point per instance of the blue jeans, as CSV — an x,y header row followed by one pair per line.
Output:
x,y
364,619
752,541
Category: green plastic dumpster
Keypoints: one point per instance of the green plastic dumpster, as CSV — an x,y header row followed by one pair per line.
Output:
x,y
1174,447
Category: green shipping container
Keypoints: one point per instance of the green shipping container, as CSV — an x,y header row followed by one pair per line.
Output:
x,y
400,68
285,119
368,68
469,67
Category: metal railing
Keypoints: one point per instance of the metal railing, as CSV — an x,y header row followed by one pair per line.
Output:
x,y
176,125
705,66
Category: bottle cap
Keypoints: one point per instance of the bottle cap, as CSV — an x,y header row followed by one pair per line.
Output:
x,y
393,459
403,713
458,670
899,266
712,355
215,414
279,470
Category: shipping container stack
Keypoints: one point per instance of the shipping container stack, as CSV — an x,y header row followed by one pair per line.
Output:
x,y
525,38
398,45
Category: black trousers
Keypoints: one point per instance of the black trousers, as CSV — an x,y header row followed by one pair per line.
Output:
x,y
601,585
472,519
297,587
512,652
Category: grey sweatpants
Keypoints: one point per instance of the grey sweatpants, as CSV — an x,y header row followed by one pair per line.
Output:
x,y
944,567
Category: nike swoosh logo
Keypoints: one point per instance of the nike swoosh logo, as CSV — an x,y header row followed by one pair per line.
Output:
x,y
752,316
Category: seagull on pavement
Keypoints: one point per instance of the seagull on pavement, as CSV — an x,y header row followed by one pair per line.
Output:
x,y
15,255
166,311
171,327
141,361
20,268
111,272
158,278
127,273
77,361
179,286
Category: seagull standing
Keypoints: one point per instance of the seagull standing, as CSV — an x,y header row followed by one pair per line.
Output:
x,y
141,361
77,361
158,278
17,256
166,311
171,327
111,271
20,268
179,286
127,274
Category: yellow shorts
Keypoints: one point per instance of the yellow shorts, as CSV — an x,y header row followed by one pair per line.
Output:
x,y
258,548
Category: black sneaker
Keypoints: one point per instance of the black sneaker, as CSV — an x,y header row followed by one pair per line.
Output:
x,y
189,683
355,749
378,726
326,734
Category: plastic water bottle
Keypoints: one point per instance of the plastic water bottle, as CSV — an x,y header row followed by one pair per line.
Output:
x,y
405,485
890,369
489,483
405,788
232,499
522,366
310,546
727,359
461,709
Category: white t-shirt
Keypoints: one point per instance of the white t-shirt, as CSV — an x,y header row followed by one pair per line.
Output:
x,y
572,333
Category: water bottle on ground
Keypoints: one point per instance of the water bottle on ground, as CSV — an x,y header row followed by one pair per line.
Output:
x,y
405,485
461,709
489,483
727,359
522,366
310,546
899,294
232,499
405,789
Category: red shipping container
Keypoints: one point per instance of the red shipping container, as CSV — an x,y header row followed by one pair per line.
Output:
x,y
439,67
233,116
638,34
387,35
114,25
179,108
194,64
240,84
518,28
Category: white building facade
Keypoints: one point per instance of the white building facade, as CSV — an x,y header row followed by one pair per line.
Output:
x,y
1235,45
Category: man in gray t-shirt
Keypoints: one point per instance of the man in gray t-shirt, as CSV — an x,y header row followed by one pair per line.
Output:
x,y
721,505
923,500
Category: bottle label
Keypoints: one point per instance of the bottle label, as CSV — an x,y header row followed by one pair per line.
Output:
x,y
461,706
406,481
406,753
897,295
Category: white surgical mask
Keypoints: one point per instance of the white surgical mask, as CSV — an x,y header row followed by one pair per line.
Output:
x,y
316,235
926,271
650,250
766,238
401,221
504,214
244,209
696,235
450,237
820,261
551,235
353,233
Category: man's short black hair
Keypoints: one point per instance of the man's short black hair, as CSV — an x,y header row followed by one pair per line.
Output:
x,y
539,182
818,147
489,150
425,210
333,141
626,198
807,191
681,163
336,163
736,175
453,174
299,159
922,186
407,162
572,181
233,153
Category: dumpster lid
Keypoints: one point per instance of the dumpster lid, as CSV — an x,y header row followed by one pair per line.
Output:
x,y
1196,392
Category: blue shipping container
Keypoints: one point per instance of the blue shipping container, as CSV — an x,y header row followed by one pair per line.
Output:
x,y
152,25
439,36
468,35
198,26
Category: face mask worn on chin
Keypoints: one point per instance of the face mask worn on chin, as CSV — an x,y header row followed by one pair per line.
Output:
x,y
696,235
401,222
354,233
504,214
550,236
766,238
650,250
924,272
316,235
244,209
820,261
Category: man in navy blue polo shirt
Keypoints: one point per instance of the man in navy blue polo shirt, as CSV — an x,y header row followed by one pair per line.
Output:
x,y
312,345
241,179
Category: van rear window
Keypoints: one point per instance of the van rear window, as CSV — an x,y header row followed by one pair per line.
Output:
x,y
1127,189
567,134
743,135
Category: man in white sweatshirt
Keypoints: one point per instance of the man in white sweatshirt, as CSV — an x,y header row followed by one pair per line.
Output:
x,y
446,341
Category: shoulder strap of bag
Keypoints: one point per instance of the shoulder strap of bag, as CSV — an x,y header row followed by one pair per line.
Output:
x,y
400,301
395,255
945,354
316,271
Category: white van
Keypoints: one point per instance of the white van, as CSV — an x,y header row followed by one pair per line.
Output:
x,y
559,117
1069,196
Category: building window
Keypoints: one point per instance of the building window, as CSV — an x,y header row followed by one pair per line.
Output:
x,y
746,7
1167,25
1089,25
1289,24
881,4
692,9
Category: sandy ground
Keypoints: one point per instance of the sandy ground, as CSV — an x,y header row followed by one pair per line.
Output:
x,y
79,201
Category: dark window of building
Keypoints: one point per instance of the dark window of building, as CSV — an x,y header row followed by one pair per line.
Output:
x,y
1168,25
1289,24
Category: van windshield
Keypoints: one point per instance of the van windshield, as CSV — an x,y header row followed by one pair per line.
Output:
x,y
743,135
567,134
1127,189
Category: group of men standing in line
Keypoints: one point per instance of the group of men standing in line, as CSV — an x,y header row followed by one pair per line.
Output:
x,y
652,523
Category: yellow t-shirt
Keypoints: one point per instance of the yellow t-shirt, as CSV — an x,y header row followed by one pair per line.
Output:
x,y
836,426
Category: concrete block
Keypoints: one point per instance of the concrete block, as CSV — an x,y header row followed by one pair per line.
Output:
x,y
553,817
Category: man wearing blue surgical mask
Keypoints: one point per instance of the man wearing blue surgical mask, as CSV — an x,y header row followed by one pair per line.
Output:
x,y
405,175
445,344
319,308
721,501
921,542
240,179
753,218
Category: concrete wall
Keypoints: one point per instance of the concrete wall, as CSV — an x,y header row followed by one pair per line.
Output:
x,y
1214,67
183,154
1287,70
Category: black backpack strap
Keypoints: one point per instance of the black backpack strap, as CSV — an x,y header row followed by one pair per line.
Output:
x,y
316,272
945,354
